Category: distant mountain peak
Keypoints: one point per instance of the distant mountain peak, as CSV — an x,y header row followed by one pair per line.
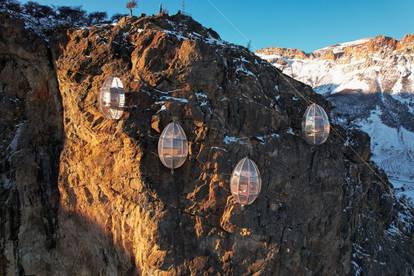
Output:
x,y
371,84
356,48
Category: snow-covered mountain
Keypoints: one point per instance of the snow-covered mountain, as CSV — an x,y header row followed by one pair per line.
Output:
x,y
371,84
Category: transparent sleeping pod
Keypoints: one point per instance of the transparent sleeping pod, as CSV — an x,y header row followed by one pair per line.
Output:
x,y
112,98
245,182
173,146
315,125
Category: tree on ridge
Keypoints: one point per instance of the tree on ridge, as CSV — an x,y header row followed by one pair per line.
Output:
x,y
130,5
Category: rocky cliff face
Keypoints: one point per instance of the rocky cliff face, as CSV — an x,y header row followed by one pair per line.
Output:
x,y
31,135
371,85
87,196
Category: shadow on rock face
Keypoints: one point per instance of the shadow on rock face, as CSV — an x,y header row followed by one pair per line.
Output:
x,y
31,135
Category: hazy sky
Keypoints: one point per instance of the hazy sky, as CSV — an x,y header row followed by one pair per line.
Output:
x,y
304,24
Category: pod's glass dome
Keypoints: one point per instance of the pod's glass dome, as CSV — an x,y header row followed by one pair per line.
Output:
x,y
173,146
112,98
245,182
315,125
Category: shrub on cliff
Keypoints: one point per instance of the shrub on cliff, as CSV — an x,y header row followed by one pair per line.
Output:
x,y
43,19
117,16
72,16
10,5
38,11
97,18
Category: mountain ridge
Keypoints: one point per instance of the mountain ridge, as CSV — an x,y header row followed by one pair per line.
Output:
x,y
371,85
372,44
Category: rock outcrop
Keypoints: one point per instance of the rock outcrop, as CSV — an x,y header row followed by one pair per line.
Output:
x,y
113,209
